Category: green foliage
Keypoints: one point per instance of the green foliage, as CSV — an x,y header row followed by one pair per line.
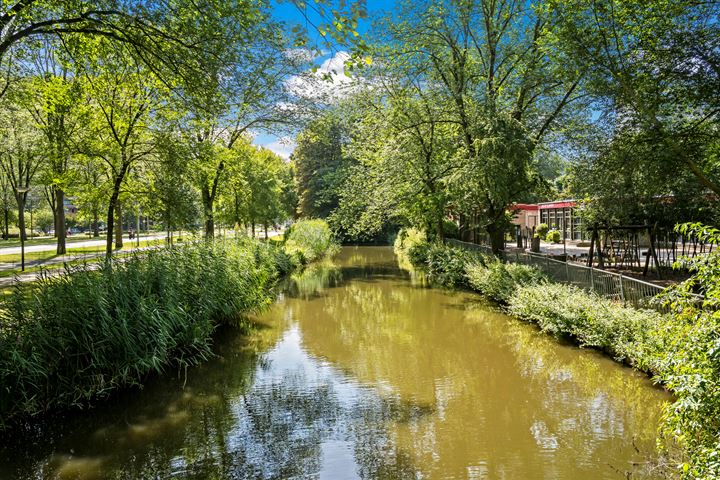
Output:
x,y
310,240
451,229
553,236
498,280
445,265
687,357
542,230
418,253
256,191
442,265
321,162
70,339
635,54
567,311
407,238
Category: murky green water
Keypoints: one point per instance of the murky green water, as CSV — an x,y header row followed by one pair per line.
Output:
x,y
356,373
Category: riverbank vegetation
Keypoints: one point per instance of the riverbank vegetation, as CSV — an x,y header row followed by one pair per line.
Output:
x,y
119,115
679,348
68,340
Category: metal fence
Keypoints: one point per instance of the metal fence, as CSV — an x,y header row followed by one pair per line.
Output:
x,y
614,286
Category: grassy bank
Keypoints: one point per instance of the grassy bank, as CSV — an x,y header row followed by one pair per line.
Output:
x,y
70,339
681,349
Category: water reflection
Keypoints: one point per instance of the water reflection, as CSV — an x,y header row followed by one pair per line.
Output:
x,y
356,373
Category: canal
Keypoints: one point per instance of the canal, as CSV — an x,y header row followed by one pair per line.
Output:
x,y
359,371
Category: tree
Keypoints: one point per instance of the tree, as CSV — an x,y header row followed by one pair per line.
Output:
x,y
19,156
633,180
488,92
257,190
54,97
244,88
90,191
6,201
126,97
169,195
654,68
172,38
320,159
408,142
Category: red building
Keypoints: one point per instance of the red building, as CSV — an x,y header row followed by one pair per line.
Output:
x,y
559,215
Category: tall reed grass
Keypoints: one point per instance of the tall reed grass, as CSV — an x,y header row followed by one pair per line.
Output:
x,y
67,340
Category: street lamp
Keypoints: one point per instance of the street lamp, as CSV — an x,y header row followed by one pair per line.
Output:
x,y
20,191
137,233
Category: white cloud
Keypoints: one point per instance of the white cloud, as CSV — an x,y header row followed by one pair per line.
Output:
x,y
327,84
283,146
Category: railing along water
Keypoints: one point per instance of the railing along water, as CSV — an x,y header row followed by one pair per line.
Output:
x,y
614,286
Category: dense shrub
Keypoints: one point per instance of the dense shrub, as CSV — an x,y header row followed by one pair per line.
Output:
x,y
567,311
66,340
687,357
310,240
498,280
450,229
542,230
553,236
418,254
445,265
408,238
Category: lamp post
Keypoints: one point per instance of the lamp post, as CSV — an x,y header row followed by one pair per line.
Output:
x,y
137,232
564,224
20,191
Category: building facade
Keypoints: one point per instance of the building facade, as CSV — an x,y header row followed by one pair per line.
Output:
x,y
560,215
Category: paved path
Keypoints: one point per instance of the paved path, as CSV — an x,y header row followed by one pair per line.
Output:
x,y
88,257
70,257
48,247
557,249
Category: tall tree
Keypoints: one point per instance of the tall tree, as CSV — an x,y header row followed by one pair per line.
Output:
x,y
245,89
125,96
20,158
55,99
320,159
654,68
486,59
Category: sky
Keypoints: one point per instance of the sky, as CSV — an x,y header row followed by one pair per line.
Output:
x,y
284,145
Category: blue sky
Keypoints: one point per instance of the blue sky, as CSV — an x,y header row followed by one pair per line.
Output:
x,y
288,13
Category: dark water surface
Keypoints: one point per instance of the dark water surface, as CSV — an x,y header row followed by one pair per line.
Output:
x,y
357,373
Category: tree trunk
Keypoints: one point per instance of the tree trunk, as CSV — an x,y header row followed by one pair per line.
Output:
x,y
266,231
111,217
439,225
96,223
253,229
6,231
497,237
60,220
208,201
110,225
118,225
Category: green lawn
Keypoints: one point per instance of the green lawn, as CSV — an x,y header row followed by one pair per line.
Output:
x,y
81,237
73,255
